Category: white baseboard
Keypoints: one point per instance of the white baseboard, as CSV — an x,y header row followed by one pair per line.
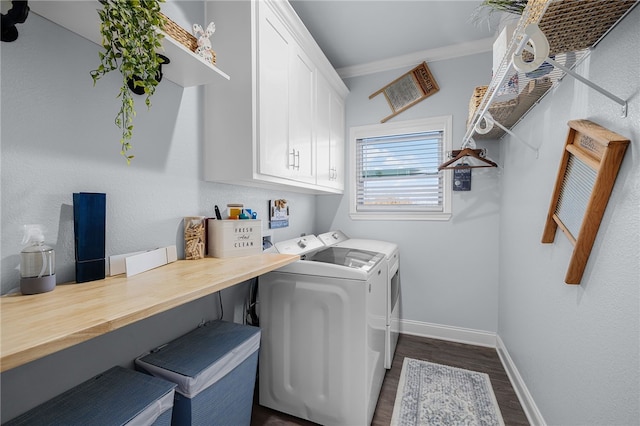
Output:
x,y
445,332
526,400
480,338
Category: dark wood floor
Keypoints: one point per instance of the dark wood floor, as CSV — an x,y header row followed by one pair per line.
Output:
x,y
459,355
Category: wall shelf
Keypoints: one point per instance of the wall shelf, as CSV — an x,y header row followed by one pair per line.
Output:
x,y
186,68
572,28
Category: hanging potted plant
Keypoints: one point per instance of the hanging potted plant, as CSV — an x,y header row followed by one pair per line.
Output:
x,y
130,39
509,6
487,8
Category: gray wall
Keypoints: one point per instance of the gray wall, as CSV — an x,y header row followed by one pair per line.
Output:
x,y
58,138
576,347
449,269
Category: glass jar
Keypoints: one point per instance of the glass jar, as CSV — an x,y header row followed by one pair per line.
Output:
x,y
37,269
194,237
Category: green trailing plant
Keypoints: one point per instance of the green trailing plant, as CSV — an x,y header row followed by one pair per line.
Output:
x,y
509,6
130,39
487,8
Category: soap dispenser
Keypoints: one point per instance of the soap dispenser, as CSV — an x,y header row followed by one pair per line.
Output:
x,y
37,264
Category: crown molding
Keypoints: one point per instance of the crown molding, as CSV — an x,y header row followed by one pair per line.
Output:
x,y
410,59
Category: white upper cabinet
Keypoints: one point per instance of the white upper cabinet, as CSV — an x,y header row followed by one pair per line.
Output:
x,y
329,133
261,128
301,111
274,58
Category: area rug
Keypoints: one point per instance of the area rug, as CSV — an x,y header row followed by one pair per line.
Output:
x,y
434,394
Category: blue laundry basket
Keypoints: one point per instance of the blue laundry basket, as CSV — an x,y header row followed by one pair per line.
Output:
x,y
116,397
215,368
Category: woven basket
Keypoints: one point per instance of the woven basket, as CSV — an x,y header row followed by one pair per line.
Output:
x,y
501,111
572,25
474,102
182,36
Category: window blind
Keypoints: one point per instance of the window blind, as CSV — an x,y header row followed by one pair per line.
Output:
x,y
400,172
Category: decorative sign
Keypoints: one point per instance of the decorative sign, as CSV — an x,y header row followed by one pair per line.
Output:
x,y
588,171
278,214
409,89
462,177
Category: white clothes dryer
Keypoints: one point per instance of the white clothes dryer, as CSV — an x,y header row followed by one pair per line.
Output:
x,y
323,332
391,252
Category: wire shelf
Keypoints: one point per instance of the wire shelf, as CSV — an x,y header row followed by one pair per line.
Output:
x,y
572,28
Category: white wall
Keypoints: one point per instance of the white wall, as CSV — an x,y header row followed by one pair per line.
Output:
x,y
576,347
449,269
58,138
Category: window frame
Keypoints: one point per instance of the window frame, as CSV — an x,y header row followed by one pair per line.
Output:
x,y
441,123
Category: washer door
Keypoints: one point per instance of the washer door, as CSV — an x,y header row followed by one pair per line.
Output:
x,y
351,258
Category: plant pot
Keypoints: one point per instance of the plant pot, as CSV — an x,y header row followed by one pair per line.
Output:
x,y
139,90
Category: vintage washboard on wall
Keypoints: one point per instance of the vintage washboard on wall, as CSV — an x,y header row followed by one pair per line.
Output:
x,y
588,170
408,89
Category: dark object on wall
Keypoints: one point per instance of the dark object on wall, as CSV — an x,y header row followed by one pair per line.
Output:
x,y
89,224
462,177
139,90
16,15
588,170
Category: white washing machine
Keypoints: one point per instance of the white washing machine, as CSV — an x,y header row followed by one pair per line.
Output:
x,y
392,257
323,333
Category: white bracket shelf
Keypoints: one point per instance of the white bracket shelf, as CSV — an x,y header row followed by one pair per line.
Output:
x,y
81,17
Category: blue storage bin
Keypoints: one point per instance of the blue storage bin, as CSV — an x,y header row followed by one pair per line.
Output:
x,y
215,368
116,397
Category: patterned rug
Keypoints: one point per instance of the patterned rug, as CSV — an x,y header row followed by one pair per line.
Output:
x,y
434,394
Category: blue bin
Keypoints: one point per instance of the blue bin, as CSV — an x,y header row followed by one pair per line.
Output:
x,y
215,368
116,397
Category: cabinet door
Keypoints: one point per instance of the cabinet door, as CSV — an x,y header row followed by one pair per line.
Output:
x,y
274,52
301,110
329,136
336,143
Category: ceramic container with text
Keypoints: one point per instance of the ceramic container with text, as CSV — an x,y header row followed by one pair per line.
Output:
x,y
233,238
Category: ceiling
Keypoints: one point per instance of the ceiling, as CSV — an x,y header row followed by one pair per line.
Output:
x,y
357,33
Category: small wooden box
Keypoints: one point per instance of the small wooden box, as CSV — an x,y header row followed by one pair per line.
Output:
x,y
233,238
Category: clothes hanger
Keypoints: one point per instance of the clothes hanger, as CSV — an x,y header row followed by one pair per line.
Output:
x,y
467,152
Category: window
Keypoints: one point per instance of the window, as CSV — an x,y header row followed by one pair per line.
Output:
x,y
395,170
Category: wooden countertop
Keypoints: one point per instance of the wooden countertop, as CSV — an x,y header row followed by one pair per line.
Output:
x,y
38,325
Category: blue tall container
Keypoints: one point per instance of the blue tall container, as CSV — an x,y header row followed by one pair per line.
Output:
x,y
116,397
215,368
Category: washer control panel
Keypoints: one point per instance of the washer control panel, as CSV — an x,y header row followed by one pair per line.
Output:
x,y
300,246
333,237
